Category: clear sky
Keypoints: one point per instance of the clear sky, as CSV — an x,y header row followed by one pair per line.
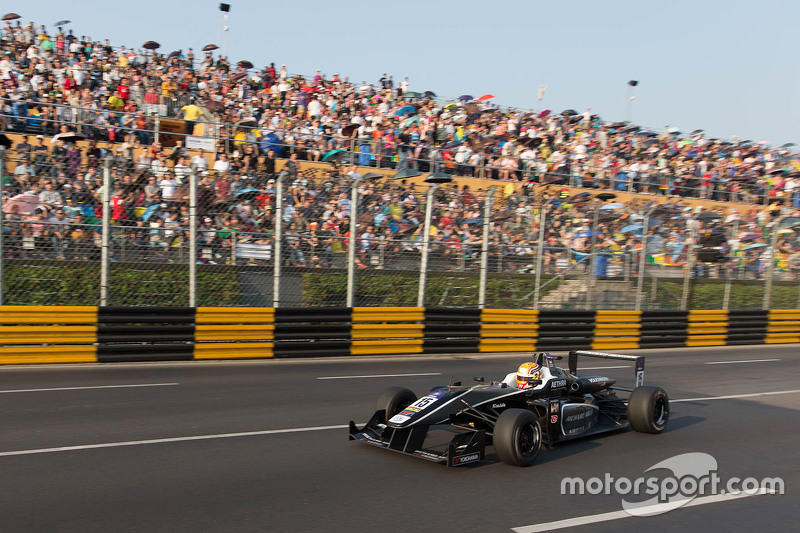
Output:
x,y
729,67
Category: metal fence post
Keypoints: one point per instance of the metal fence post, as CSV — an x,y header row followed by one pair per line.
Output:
x,y
276,256
726,297
2,222
690,260
426,236
770,267
193,237
351,249
540,255
106,232
487,219
642,261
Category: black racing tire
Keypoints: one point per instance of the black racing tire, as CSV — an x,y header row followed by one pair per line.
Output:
x,y
517,437
648,409
394,399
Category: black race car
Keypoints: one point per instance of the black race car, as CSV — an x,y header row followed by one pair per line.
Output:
x,y
561,406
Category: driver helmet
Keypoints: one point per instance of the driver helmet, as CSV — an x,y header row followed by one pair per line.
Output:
x,y
527,373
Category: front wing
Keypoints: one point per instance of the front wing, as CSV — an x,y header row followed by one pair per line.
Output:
x,y
464,448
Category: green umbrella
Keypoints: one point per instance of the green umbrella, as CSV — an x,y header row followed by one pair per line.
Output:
x,y
411,94
333,154
410,121
755,245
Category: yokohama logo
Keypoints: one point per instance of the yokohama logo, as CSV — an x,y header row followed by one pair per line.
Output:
x,y
466,458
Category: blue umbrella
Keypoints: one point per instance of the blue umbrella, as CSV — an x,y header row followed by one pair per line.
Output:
x,y
612,205
631,227
405,110
248,192
149,211
588,234
466,98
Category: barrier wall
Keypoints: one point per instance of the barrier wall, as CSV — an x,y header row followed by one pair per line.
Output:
x,y
72,334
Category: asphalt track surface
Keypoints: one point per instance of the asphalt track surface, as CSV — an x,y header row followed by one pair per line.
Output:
x,y
262,446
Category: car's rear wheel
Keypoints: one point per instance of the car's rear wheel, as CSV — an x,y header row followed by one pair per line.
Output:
x,y
517,437
394,399
648,409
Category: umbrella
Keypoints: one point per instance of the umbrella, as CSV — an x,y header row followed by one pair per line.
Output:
x,y
68,137
439,177
410,120
451,105
588,234
430,94
151,45
451,144
606,196
575,118
631,227
213,105
248,122
788,145
485,97
751,237
544,113
629,129
530,142
210,47
372,176
553,179
695,132
350,130
174,53
11,16
405,110
580,197
754,246
150,211
675,131
61,23
648,133
569,113
785,231
5,140
407,173
411,94
333,155
612,205
708,215
247,194
476,220
244,63
25,203
653,222
466,97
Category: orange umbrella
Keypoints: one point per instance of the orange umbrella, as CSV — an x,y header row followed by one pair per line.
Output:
x,y
485,97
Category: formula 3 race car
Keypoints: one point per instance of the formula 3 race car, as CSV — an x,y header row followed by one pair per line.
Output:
x,y
560,407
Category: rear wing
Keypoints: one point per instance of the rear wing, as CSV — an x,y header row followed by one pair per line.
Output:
x,y
638,359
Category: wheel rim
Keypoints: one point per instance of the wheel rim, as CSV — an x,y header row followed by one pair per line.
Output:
x,y
660,412
528,439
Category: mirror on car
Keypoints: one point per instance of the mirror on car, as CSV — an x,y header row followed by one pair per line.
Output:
x,y
479,379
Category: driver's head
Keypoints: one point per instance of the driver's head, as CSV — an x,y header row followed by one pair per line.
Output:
x,y
527,373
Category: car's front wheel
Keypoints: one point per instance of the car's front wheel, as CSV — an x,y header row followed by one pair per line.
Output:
x,y
517,437
648,409
394,399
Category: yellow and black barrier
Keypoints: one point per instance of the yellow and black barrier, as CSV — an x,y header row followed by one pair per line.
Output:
x,y
73,334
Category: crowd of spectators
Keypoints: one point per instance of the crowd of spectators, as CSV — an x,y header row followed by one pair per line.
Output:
x,y
56,83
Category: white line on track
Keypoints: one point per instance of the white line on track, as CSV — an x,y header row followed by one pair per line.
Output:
x,y
383,376
616,515
735,396
744,361
162,441
93,387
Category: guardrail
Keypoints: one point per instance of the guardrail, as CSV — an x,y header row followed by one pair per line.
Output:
x,y
72,334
